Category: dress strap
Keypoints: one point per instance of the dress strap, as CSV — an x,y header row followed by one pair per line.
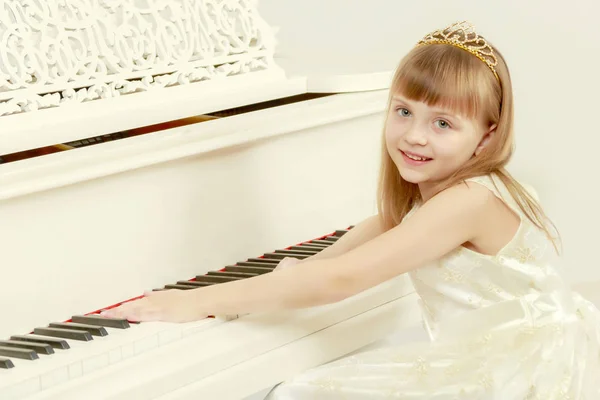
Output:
x,y
496,186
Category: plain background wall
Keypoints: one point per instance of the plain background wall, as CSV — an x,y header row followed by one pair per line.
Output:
x,y
552,50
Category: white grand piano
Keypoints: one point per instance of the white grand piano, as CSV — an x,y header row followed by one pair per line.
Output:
x,y
169,145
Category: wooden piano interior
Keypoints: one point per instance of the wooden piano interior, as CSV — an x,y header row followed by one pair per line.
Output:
x,y
103,199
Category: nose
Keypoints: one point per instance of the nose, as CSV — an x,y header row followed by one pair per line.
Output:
x,y
415,136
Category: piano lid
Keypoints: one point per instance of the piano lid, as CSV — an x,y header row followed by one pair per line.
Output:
x,y
128,67
337,73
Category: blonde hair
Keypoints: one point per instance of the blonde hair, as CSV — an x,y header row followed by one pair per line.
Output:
x,y
447,76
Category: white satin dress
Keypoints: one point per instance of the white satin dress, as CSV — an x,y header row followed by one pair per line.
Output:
x,y
502,327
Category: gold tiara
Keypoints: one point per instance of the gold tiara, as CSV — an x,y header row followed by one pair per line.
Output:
x,y
463,35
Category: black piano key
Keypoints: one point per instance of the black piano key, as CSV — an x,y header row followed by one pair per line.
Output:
x,y
101,321
304,252
25,354
261,260
291,252
340,232
232,273
55,343
216,279
92,329
64,333
179,287
331,239
6,363
324,242
251,269
318,245
271,265
195,283
39,348
303,247
281,256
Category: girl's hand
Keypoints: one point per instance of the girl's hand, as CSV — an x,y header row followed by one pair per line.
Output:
x,y
287,262
166,305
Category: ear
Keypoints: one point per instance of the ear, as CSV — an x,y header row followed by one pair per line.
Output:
x,y
485,139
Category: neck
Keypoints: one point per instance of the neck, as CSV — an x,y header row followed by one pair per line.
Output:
x,y
429,189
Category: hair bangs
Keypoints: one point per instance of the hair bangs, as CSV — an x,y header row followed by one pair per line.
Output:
x,y
446,77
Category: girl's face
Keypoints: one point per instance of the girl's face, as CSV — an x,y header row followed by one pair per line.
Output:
x,y
428,144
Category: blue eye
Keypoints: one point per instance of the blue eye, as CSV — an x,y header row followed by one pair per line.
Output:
x,y
403,112
442,124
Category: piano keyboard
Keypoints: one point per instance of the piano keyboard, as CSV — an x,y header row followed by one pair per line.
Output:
x,y
61,351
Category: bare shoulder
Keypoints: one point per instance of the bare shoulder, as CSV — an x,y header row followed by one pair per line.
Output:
x,y
460,201
496,225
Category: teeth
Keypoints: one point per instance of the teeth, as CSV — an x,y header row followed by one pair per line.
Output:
x,y
415,157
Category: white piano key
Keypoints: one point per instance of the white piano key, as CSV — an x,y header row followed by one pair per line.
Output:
x,y
60,363
54,377
127,351
170,335
190,329
92,364
75,370
87,357
23,389
114,356
147,343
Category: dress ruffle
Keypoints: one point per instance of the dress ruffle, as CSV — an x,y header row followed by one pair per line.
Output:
x,y
542,347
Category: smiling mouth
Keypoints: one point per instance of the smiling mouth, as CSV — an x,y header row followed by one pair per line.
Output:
x,y
415,157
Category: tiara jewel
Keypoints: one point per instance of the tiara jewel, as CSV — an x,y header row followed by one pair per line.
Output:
x,y
463,35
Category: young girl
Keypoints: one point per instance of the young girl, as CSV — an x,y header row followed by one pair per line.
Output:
x,y
476,244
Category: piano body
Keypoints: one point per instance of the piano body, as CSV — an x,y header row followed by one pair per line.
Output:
x,y
163,145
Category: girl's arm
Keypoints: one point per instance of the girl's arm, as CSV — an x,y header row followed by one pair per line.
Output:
x,y
448,220
361,233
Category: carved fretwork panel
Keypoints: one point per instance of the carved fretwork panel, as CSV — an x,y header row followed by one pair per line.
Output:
x,y
53,52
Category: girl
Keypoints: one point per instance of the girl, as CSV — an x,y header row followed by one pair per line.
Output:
x,y
477,246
